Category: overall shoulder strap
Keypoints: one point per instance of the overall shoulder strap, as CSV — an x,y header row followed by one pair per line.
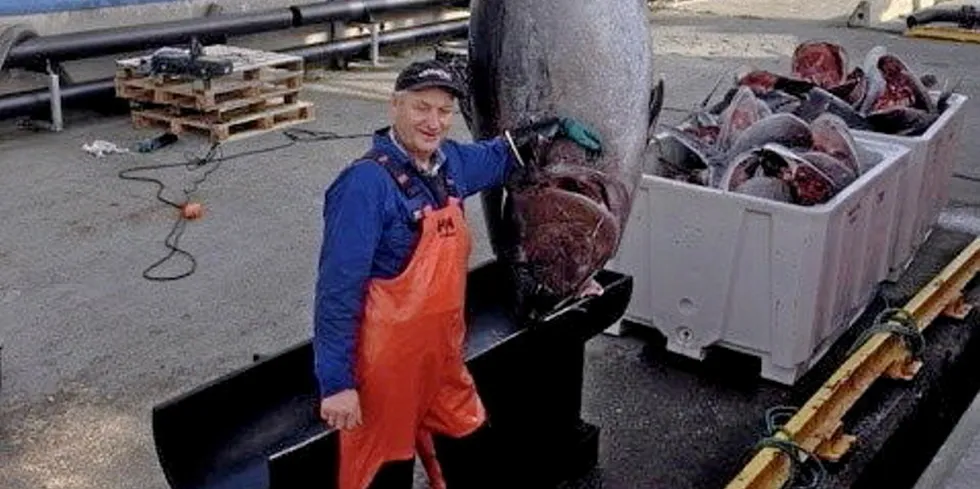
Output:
x,y
404,181
408,186
441,186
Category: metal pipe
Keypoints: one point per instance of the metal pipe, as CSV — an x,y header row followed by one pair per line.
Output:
x,y
357,10
57,120
24,103
425,33
103,90
100,42
11,36
375,44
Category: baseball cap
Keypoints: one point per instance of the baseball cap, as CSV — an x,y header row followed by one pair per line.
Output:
x,y
427,74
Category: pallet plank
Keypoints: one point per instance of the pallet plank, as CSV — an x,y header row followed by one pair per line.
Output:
x,y
246,125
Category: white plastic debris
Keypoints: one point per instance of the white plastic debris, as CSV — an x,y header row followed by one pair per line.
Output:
x,y
100,148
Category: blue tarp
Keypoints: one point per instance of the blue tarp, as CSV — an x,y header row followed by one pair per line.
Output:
x,y
23,7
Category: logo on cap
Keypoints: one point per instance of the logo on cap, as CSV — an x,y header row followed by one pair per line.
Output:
x,y
435,72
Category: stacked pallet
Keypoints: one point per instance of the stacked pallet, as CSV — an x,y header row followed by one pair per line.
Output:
x,y
260,95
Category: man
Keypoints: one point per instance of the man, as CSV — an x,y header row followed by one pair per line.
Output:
x,y
389,295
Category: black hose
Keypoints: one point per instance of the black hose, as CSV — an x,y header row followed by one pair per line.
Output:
x,y
76,95
100,42
103,90
965,15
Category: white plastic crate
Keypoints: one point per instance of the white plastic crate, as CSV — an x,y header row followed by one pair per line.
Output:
x,y
772,279
925,181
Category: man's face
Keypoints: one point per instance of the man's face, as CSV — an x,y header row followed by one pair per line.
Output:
x,y
422,119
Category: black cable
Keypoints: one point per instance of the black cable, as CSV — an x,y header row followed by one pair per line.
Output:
x,y
172,241
214,157
964,176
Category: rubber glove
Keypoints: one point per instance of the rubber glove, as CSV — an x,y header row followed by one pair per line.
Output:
x,y
581,134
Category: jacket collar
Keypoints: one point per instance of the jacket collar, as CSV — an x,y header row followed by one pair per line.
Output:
x,y
384,140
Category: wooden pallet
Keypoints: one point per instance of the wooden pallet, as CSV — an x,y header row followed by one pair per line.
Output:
x,y
227,108
260,95
246,122
253,74
193,95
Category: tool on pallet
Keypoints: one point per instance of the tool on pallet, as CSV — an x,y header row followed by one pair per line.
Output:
x,y
191,63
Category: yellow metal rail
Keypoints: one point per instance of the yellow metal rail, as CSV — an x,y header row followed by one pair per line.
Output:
x,y
817,426
944,33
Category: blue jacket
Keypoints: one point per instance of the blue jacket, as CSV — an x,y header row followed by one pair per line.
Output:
x,y
367,234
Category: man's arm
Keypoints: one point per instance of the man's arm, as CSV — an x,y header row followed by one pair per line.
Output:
x,y
485,164
353,220
488,163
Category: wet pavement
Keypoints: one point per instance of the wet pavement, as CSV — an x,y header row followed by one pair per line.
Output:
x,y
89,345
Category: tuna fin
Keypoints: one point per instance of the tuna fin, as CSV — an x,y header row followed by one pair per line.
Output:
x,y
493,208
656,107
711,93
466,110
943,102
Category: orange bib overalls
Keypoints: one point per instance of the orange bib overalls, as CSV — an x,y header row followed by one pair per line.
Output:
x,y
412,381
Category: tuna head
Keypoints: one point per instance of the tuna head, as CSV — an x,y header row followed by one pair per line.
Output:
x,y
821,62
563,58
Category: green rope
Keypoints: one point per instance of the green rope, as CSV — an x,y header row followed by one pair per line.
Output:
x,y
798,456
900,323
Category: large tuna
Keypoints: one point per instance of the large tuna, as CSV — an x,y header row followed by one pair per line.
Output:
x,y
562,219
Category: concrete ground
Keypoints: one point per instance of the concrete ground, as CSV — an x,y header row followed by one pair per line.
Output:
x,y
89,346
957,462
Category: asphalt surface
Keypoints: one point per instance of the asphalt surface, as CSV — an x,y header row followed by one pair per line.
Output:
x,y
89,345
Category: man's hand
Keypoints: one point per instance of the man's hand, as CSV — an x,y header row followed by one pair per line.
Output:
x,y
550,127
543,128
341,410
